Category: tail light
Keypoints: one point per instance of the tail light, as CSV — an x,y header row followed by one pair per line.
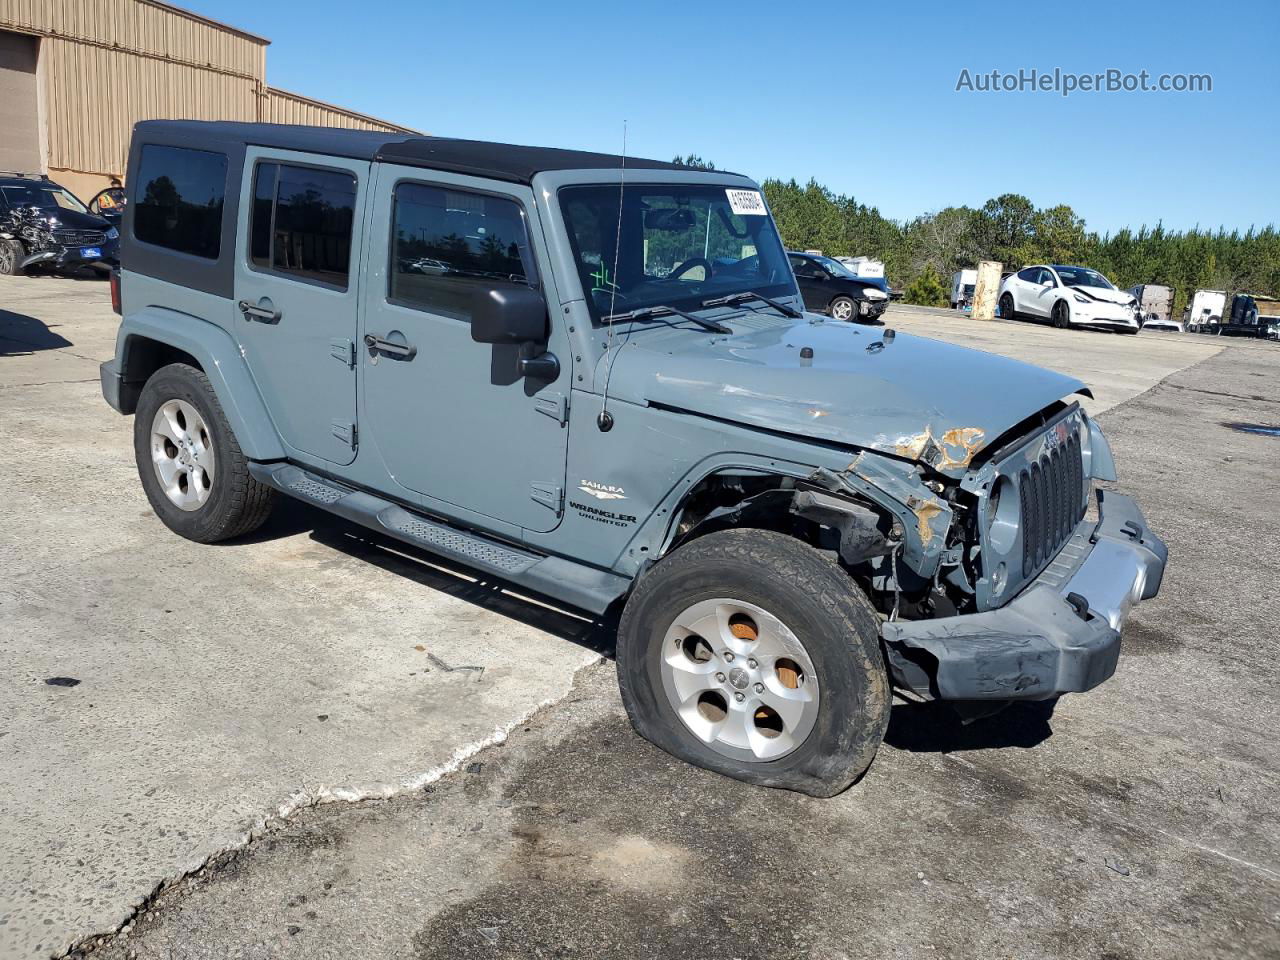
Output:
x,y
115,290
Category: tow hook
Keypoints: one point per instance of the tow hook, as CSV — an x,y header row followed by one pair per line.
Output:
x,y
1079,604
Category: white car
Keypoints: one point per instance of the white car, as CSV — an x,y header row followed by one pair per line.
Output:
x,y
1068,296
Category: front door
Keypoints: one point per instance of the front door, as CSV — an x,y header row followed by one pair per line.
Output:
x,y
1041,297
452,419
811,279
297,290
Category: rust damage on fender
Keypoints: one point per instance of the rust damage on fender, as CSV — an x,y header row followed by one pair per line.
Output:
x,y
932,515
954,449
925,511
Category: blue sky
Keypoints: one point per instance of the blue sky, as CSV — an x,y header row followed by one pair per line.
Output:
x,y
859,96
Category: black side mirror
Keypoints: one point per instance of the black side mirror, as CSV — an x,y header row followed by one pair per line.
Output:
x,y
515,316
508,315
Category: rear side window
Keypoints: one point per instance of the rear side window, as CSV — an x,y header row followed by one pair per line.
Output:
x,y
446,244
1030,275
178,204
302,221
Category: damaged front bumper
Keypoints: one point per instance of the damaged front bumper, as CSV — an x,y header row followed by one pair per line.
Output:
x,y
872,309
1061,634
64,257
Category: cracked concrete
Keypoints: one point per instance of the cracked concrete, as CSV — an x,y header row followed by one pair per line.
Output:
x,y
1139,821
219,686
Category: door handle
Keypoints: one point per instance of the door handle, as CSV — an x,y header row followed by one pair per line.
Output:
x,y
267,314
401,351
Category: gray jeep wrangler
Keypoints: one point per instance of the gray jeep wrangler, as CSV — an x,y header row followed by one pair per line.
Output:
x,y
594,380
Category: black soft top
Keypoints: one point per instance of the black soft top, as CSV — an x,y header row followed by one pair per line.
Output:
x,y
497,161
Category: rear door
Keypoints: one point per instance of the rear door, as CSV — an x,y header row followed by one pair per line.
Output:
x,y
451,419
297,291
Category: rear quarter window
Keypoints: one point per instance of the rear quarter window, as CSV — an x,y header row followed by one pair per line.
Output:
x,y
179,198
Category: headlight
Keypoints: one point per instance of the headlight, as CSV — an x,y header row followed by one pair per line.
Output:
x,y
1080,298
871,293
113,233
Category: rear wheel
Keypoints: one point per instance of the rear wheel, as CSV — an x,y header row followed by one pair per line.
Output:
x,y
1061,315
189,462
11,255
1007,312
750,653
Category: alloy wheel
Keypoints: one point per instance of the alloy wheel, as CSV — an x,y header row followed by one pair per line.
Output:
x,y
739,679
842,309
182,454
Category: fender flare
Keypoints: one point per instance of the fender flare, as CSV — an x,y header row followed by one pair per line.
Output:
x,y
220,358
655,532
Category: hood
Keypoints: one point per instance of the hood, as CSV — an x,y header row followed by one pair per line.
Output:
x,y
1108,296
906,396
854,286
75,220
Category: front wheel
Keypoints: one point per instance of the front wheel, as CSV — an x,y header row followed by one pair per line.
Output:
x,y
1061,315
190,464
750,653
11,254
843,308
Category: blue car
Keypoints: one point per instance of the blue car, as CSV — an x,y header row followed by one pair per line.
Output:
x,y
600,383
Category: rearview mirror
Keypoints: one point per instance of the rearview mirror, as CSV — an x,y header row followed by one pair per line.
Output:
x,y
508,315
675,220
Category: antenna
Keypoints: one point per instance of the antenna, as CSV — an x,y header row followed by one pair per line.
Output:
x,y
605,420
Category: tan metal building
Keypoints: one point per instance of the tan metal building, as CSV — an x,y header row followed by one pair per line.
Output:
x,y
75,75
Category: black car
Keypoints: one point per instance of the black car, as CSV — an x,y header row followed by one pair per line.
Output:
x,y
45,224
828,287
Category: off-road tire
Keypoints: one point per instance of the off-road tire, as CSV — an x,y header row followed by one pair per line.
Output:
x,y
828,614
1007,312
11,254
237,504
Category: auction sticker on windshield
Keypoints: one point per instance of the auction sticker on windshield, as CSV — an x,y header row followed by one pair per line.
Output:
x,y
746,203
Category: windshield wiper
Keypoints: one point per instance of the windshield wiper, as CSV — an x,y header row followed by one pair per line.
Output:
x,y
735,298
642,313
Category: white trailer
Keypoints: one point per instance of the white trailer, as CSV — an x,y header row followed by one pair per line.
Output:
x,y
864,267
1206,310
963,285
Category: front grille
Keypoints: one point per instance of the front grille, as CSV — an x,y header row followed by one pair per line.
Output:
x,y
86,238
1052,493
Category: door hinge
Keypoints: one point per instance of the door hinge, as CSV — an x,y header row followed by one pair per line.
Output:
x,y
345,431
549,495
344,350
554,405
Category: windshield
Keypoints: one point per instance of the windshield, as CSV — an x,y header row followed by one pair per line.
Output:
x,y
834,267
679,244
1083,277
45,196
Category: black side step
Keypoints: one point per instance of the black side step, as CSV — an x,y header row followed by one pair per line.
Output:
x,y
574,583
